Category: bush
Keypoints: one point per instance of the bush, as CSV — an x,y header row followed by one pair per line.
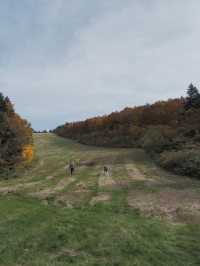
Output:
x,y
185,162
158,138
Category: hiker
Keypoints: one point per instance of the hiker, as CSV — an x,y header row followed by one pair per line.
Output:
x,y
105,170
71,168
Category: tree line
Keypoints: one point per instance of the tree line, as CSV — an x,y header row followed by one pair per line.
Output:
x,y
168,130
16,142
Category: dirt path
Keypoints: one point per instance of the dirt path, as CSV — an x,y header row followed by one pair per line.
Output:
x,y
134,173
106,181
49,192
15,188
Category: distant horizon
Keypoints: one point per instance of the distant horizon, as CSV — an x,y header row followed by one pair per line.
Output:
x,y
64,61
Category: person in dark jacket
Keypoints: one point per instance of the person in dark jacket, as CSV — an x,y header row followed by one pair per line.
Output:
x,y
71,168
105,170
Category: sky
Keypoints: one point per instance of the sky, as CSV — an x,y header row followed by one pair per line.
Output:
x,y
67,60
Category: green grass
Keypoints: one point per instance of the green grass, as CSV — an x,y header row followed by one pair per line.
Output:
x,y
34,233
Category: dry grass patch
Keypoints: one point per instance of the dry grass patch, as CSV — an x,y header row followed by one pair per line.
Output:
x,y
88,163
106,181
67,252
102,197
135,174
81,187
49,192
73,199
167,203
50,177
15,188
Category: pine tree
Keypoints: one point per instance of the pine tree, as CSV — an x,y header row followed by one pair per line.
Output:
x,y
193,99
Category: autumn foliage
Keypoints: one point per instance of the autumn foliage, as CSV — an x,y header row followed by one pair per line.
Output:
x,y
16,143
125,128
168,130
27,152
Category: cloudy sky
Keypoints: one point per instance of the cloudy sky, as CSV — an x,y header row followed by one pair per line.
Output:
x,y
65,60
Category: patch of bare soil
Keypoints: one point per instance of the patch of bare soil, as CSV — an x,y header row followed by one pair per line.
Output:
x,y
15,188
102,197
66,252
106,180
88,163
134,173
50,177
42,194
175,205
81,187
63,183
6,190
72,198
64,201
49,192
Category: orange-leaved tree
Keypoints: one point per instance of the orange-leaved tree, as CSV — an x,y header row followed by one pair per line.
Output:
x,y
16,142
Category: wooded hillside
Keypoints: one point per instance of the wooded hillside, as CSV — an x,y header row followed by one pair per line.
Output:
x,y
164,129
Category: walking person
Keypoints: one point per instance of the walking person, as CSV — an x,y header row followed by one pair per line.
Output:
x,y
106,171
71,168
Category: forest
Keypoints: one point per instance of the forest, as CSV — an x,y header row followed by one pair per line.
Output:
x,y
168,130
16,142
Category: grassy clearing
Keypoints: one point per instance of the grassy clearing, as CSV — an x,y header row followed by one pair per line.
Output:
x,y
34,234
80,222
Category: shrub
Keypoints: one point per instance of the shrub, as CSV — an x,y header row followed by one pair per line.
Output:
x,y
158,138
185,162
27,153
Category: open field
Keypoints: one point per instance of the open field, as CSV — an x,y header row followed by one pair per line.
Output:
x,y
138,215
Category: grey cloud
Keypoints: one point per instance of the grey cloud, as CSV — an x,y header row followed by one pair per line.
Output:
x,y
68,60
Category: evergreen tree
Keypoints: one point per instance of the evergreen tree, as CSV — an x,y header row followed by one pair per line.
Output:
x,y
193,99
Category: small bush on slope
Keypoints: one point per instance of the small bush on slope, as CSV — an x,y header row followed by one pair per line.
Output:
x,y
158,138
185,162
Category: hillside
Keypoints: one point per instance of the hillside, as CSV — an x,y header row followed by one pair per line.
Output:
x,y
139,215
168,130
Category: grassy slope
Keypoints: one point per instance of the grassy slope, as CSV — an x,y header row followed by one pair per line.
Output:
x,y
61,227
